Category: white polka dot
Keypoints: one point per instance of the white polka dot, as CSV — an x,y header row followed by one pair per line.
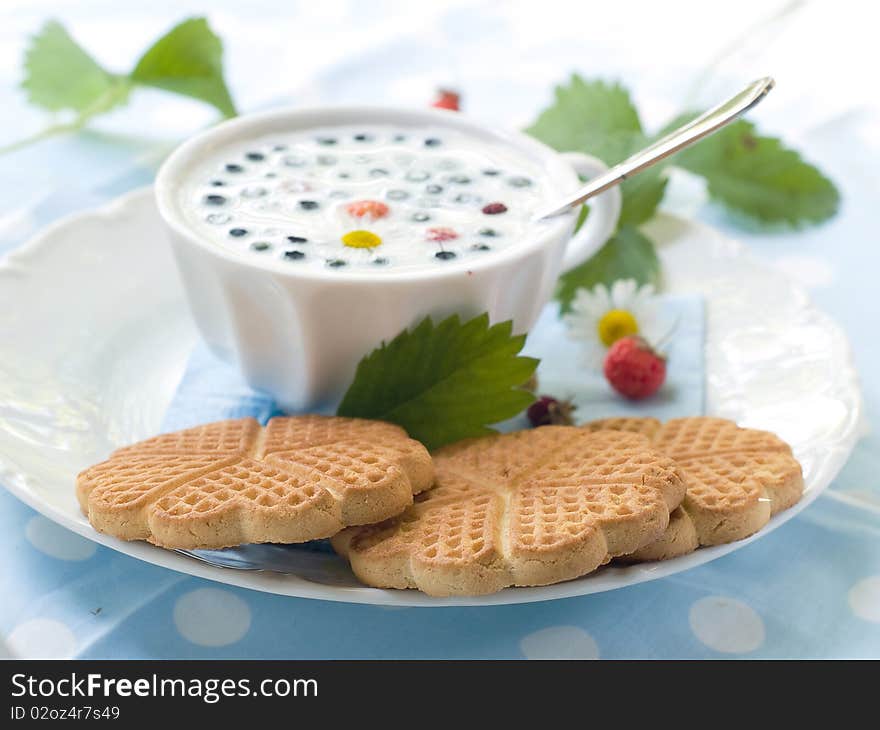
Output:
x,y
726,625
559,642
864,599
41,638
211,617
57,542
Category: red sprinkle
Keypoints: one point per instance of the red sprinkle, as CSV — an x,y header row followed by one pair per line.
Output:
x,y
372,209
494,208
447,99
440,234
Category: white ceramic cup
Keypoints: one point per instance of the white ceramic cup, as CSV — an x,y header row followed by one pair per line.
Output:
x,y
298,334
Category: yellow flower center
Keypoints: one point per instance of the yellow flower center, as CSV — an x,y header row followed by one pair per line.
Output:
x,y
616,323
361,239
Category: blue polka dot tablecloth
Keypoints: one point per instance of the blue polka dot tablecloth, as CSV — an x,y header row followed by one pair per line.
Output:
x,y
65,596
810,589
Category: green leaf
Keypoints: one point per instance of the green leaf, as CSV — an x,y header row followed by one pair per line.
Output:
x,y
443,383
600,119
187,60
60,75
590,116
642,194
760,177
628,254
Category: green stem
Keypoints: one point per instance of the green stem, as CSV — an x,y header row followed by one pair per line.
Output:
x,y
104,102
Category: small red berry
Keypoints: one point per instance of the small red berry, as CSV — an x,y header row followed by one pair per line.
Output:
x,y
494,208
447,99
372,209
634,369
548,411
440,234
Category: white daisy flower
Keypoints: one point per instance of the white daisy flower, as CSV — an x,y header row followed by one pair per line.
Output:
x,y
599,317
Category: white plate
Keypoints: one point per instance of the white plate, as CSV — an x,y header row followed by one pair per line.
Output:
x,y
94,335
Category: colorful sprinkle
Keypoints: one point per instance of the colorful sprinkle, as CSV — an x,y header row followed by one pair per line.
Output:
x,y
494,208
440,234
372,209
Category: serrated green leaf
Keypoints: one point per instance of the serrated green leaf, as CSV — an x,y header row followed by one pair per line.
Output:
x,y
60,75
641,195
443,383
590,116
628,254
187,60
759,177
600,119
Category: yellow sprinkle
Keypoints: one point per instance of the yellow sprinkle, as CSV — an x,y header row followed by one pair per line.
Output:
x,y
361,239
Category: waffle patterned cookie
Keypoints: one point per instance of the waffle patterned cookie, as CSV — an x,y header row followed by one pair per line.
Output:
x,y
528,508
737,478
233,482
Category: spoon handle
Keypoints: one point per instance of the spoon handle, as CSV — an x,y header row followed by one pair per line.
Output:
x,y
704,125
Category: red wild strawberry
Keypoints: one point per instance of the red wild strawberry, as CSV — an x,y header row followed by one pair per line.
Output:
x,y
634,369
447,99
372,209
440,234
548,411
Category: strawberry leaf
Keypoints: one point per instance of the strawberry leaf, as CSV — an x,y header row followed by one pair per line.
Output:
x,y
761,178
600,119
443,382
60,75
187,60
628,254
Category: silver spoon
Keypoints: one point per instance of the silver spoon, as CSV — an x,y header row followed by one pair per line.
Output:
x,y
704,125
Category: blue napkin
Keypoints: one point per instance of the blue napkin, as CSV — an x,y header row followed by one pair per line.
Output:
x,y
211,389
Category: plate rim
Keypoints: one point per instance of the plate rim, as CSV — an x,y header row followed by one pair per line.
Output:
x,y
294,586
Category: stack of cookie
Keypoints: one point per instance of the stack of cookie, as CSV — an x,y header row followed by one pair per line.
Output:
x,y
528,508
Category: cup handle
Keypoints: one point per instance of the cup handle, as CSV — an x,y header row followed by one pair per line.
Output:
x,y
604,212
